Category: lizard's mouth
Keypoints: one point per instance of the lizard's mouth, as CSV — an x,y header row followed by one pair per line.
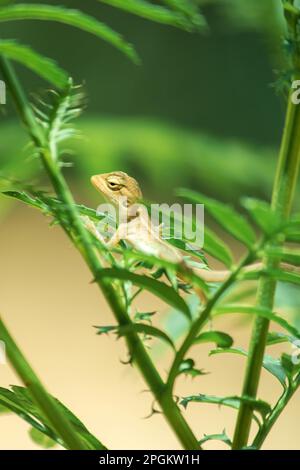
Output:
x,y
97,182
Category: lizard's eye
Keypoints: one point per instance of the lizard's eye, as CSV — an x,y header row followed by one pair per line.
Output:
x,y
112,185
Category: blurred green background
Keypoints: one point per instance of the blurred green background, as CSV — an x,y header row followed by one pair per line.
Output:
x,y
200,111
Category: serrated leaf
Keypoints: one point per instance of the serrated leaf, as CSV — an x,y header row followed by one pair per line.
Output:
x,y
292,230
216,437
27,199
288,255
292,236
215,247
104,330
284,276
190,9
144,316
243,293
163,291
171,268
187,367
222,340
262,214
183,245
70,17
290,365
156,13
274,338
41,439
233,402
4,410
225,215
36,62
19,401
246,309
271,364
278,274
137,328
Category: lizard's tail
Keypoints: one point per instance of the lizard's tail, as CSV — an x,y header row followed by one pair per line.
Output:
x,y
222,276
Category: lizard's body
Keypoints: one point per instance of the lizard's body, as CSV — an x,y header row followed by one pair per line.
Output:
x,y
136,228
124,192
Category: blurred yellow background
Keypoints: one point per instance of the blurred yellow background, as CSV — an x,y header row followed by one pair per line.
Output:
x,y
198,113
50,306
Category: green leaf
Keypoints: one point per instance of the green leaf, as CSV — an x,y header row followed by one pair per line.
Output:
x,y
47,204
222,340
70,17
151,260
262,214
271,364
233,402
292,230
278,274
19,401
165,292
288,255
215,247
227,217
41,439
105,329
156,13
183,245
144,316
27,199
216,437
243,293
290,366
39,64
187,367
189,9
227,309
274,338
4,410
137,328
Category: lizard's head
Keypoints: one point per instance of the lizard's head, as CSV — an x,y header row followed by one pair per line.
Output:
x,y
116,185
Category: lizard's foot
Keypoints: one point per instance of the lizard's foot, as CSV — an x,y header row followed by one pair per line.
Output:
x,y
91,227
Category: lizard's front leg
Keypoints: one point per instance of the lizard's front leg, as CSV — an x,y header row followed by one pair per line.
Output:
x,y
91,227
115,239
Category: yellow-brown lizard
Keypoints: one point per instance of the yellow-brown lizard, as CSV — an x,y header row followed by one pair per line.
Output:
x,y
124,192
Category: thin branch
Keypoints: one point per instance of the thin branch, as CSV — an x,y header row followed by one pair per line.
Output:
x,y
39,394
86,246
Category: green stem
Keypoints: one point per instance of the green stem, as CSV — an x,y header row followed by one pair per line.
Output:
x,y
272,418
282,199
86,246
199,322
39,394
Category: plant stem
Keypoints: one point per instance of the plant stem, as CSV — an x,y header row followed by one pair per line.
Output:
x,y
272,418
282,199
39,394
86,246
199,322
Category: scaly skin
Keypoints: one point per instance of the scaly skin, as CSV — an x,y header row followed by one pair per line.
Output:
x,y
125,194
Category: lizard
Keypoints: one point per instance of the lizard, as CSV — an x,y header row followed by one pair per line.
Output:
x,y
124,192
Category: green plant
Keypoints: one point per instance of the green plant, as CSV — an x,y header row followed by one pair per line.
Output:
x,y
49,126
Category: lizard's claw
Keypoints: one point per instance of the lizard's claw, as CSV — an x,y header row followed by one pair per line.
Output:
x,y
91,227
